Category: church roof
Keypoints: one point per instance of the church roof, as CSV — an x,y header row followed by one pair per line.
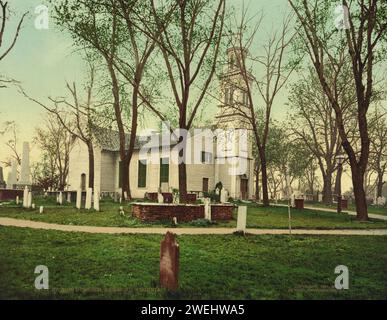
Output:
x,y
109,140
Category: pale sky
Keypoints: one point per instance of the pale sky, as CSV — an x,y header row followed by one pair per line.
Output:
x,y
43,60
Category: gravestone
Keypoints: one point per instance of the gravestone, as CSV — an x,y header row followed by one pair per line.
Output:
x,y
25,197
223,196
381,201
292,200
241,223
60,198
89,193
17,200
207,208
41,209
160,198
79,199
320,197
69,197
96,200
12,176
2,182
29,200
25,178
169,262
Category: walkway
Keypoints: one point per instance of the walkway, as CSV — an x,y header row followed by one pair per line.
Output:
x,y
352,213
191,231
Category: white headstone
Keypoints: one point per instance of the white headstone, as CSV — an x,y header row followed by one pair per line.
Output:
x,y
96,200
320,197
160,198
29,201
17,199
223,196
25,165
381,201
60,198
207,208
25,197
41,209
292,200
12,176
79,199
89,193
69,197
174,221
176,198
33,206
241,223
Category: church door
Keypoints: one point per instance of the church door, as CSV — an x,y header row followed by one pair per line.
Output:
x,y
244,189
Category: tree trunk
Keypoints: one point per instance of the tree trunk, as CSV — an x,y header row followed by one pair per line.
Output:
x,y
338,180
257,185
379,189
91,164
265,192
125,179
182,182
360,195
327,188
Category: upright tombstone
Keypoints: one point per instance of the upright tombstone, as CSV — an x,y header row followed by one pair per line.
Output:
x,y
207,208
29,201
169,262
12,176
25,178
2,182
68,196
17,200
223,196
89,193
79,199
320,197
25,197
160,198
96,200
241,223
60,198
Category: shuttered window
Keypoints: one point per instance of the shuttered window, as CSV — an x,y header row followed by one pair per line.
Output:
x,y
164,170
141,174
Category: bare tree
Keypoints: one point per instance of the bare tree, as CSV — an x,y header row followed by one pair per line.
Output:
x,y
364,30
78,117
11,130
4,19
56,143
314,123
189,44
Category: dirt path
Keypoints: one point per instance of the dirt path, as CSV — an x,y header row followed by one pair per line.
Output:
x,y
192,231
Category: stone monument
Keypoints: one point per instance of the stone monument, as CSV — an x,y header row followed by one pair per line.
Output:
x,y
12,175
25,178
169,262
241,223
2,182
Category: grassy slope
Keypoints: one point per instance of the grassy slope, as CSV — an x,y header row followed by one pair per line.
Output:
x,y
258,217
214,267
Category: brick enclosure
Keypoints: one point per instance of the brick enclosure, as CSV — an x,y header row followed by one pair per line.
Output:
x,y
183,212
8,194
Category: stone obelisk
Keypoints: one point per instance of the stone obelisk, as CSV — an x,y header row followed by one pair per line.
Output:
x,y
25,165
12,176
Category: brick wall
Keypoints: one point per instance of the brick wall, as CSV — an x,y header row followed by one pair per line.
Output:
x,y
7,194
183,213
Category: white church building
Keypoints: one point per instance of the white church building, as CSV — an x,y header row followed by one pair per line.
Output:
x,y
225,156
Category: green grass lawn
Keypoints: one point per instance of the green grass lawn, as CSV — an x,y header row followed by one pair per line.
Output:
x,y
211,267
351,207
257,217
